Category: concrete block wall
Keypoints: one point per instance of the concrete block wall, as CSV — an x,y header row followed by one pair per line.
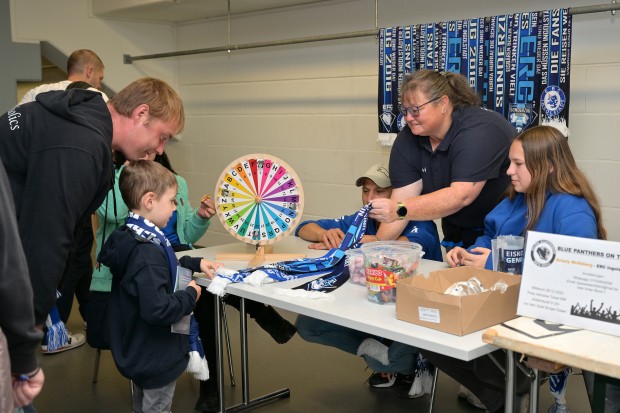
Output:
x,y
314,105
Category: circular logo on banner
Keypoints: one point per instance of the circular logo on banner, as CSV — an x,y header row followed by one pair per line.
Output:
x,y
543,253
553,100
401,122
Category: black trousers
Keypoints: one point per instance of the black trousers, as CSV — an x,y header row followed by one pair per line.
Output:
x,y
481,376
78,272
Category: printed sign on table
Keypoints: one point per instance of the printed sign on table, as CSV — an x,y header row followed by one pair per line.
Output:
x,y
573,281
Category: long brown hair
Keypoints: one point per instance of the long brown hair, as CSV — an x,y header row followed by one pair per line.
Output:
x,y
435,84
552,166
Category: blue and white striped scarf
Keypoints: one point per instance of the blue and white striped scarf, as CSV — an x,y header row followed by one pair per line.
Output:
x,y
330,266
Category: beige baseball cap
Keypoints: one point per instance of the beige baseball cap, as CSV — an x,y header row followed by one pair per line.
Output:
x,y
378,173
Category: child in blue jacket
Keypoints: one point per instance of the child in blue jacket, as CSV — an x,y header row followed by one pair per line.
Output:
x,y
144,302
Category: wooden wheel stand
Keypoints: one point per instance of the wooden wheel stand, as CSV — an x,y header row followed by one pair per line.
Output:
x,y
263,253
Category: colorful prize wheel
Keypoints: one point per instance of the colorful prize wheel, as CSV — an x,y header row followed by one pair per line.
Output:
x,y
259,199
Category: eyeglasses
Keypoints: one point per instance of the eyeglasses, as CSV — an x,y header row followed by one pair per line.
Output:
x,y
415,110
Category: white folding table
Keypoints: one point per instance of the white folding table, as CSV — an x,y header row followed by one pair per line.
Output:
x,y
347,306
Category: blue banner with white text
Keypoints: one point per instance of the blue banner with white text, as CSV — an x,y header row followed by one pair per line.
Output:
x,y
519,64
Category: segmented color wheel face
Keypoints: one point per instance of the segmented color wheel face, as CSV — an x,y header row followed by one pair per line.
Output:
x,y
259,199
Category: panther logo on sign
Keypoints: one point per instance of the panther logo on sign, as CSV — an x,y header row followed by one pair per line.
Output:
x,y
543,253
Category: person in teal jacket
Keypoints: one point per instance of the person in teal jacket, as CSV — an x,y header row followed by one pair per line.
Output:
x,y
548,194
190,225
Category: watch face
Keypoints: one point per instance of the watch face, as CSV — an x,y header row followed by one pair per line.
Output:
x,y
402,211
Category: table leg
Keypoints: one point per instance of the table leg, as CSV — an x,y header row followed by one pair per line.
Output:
x,y
220,353
600,393
598,397
245,379
534,386
432,401
510,382
245,368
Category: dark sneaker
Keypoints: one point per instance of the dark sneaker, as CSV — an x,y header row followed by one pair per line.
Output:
x,y
208,404
382,380
209,400
403,384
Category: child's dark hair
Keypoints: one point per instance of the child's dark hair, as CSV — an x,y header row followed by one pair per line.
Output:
x,y
165,161
140,177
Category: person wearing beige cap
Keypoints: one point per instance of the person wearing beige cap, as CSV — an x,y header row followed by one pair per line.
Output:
x,y
394,363
377,173
375,184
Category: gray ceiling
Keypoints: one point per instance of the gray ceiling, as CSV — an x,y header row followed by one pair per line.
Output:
x,y
176,11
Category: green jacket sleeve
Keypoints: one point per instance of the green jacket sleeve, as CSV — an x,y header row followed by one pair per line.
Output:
x,y
108,220
190,227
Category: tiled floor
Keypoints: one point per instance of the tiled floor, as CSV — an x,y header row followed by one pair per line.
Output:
x,y
321,380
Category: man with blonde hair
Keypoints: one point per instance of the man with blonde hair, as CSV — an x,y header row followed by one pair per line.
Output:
x,y
57,152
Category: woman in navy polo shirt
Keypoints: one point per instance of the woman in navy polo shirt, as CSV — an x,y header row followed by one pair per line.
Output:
x,y
449,161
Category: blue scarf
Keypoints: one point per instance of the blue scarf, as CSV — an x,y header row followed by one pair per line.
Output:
x,y
57,335
330,266
144,228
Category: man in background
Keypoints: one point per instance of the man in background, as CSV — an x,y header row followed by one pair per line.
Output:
x,y
83,65
57,152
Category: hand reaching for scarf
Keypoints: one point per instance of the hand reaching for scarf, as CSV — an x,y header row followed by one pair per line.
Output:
x,y
209,267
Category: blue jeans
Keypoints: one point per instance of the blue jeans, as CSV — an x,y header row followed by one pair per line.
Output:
x,y
401,356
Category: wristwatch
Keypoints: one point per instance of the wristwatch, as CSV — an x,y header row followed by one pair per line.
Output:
x,y
401,210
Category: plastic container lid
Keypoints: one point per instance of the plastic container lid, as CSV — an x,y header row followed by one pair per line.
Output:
x,y
385,262
355,262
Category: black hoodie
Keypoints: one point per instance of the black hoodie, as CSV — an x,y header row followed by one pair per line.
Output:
x,y
142,308
58,158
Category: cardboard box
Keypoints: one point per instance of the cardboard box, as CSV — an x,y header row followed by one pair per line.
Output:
x,y
420,300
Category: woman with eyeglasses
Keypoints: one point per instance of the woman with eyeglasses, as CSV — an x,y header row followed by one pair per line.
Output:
x,y
448,162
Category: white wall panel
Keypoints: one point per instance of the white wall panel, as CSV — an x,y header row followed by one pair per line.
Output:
x,y
595,137
314,105
603,175
603,82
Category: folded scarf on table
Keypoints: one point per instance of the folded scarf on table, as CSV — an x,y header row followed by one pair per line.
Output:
x,y
330,267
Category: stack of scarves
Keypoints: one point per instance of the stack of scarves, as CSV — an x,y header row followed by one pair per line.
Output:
x,y
330,267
